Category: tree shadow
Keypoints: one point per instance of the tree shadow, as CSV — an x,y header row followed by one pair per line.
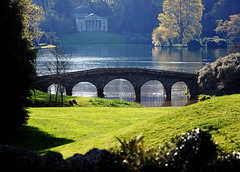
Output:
x,y
32,138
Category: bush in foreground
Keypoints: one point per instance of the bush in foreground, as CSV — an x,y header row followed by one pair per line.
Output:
x,y
192,151
221,77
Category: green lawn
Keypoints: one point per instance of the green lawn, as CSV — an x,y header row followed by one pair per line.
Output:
x,y
41,99
93,38
72,130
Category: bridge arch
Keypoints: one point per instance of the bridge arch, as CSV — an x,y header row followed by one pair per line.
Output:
x,y
84,89
153,85
56,89
136,76
152,91
119,88
180,88
180,93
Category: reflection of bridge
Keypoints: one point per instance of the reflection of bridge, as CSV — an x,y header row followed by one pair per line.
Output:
x,y
136,76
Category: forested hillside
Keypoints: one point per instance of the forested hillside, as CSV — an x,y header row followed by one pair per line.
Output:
x,y
130,16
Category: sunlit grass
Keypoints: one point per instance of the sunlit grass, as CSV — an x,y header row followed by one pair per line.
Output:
x,y
82,128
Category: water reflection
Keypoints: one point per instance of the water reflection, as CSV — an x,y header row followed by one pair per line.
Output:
x,y
152,94
119,89
84,89
180,94
59,89
184,59
85,57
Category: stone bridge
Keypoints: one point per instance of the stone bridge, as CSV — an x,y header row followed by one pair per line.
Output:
x,y
136,76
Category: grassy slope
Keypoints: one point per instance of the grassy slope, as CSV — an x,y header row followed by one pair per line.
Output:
x,y
93,38
41,99
84,128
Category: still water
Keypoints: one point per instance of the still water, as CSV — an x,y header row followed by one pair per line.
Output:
x,y
84,57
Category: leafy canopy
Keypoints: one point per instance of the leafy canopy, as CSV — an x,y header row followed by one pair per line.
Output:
x,y
182,17
32,16
231,28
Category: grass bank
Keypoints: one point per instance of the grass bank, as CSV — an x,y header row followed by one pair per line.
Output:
x,y
72,130
41,99
93,38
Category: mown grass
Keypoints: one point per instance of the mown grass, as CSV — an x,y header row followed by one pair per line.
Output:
x,y
41,99
72,130
93,38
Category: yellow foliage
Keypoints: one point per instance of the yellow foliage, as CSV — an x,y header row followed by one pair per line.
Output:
x,y
182,17
32,17
229,28
162,34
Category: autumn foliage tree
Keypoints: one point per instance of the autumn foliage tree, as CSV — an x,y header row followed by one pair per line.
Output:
x,y
32,17
182,17
230,28
162,35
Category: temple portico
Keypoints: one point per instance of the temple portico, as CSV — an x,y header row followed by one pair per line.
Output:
x,y
89,22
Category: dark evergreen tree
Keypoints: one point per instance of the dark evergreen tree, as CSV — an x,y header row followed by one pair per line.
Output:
x,y
18,57
139,16
63,7
224,8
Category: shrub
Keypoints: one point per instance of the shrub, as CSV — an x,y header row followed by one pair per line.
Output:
x,y
203,97
133,154
221,77
205,40
194,44
222,43
212,44
234,49
192,151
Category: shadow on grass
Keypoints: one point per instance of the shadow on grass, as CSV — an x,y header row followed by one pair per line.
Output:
x,y
32,138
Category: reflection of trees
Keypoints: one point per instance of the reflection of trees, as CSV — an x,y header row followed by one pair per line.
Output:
x,y
177,59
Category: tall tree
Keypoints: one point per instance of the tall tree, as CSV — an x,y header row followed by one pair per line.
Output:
x,y
63,7
183,17
224,8
162,35
57,65
32,16
139,15
231,28
18,56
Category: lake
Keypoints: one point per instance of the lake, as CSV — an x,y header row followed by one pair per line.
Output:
x,y
180,59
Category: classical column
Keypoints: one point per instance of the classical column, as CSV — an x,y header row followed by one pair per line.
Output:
x,y
97,25
86,25
91,26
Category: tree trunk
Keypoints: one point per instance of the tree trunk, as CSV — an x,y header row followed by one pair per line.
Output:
x,y
56,94
170,43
